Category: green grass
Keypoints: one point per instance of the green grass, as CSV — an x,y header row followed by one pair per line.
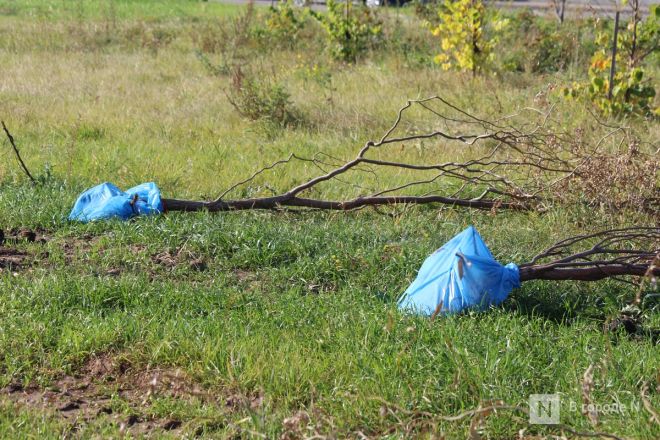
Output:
x,y
113,10
335,347
298,308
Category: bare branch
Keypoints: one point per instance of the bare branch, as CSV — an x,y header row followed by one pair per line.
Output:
x,y
18,155
509,167
612,253
255,174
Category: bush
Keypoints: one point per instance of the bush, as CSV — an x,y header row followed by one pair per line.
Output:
x,y
257,99
630,91
538,45
350,32
624,178
403,38
284,24
427,11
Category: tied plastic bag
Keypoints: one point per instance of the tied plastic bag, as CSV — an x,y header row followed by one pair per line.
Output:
x,y
461,274
106,201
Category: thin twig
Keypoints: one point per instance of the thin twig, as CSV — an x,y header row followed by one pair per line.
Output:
x,y
647,403
18,155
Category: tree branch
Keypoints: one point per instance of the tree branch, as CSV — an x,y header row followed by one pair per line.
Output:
x,y
511,175
631,251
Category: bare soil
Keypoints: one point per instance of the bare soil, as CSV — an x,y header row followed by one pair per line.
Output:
x,y
12,259
88,395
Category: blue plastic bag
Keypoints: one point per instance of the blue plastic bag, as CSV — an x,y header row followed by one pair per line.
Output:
x,y
461,274
106,201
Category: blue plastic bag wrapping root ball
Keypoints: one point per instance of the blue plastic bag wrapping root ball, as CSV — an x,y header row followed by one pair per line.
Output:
x,y
461,274
106,201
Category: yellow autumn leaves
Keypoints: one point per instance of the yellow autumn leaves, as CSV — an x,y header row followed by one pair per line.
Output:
x,y
461,30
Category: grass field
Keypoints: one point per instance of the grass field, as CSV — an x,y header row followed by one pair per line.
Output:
x,y
264,324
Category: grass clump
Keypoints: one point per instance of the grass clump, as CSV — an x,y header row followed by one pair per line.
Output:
x,y
259,99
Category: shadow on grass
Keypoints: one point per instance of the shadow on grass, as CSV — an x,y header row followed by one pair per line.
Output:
x,y
561,308
606,304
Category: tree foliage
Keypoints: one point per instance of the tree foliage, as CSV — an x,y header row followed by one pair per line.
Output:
x,y
632,92
468,35
350,30
284,23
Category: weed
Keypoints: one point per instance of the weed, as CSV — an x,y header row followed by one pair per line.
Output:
x,y
547,47
257,98
231,38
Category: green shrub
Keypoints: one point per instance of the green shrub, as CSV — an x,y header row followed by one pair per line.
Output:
x,y
350,30
404,39
259,99
539,45
630,92
284,24
427,11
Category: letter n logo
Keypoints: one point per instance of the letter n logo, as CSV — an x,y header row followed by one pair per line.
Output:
x,y
544,409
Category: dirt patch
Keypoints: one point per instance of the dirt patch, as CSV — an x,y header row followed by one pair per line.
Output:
x,y
245,276
102,382
18,252
22,235
631,324
180,257
74,246
12,259
250,280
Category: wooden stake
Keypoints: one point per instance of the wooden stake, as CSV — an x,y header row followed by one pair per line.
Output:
x,y
613,65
